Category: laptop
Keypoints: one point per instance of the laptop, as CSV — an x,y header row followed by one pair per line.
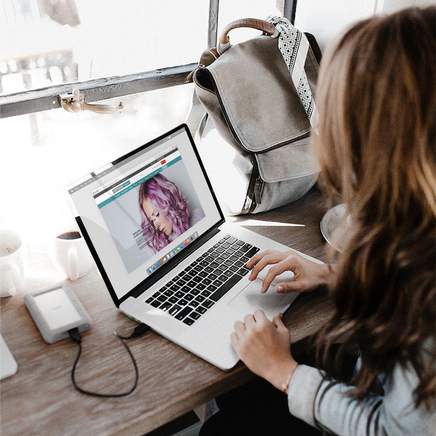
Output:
x,y
164,250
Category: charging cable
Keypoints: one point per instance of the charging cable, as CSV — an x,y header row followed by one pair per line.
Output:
x,y
75,336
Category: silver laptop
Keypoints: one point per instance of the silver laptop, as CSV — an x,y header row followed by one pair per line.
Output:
x,y
164,250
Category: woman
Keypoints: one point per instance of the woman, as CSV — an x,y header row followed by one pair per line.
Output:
x,y
165,214
376,149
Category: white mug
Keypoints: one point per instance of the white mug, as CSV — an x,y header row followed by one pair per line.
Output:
x,y
11,263
71,254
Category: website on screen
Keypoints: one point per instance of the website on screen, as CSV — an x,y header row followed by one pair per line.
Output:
x,y
149,209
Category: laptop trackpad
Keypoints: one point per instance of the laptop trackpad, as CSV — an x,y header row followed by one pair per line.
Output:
x,y
250,299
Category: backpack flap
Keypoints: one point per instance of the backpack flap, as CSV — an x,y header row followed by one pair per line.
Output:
x,y
258,100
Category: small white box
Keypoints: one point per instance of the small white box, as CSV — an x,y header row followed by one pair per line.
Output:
x,y
56,311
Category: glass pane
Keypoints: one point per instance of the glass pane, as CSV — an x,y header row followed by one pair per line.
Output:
x,y
326,20
47,42
231,10
48,151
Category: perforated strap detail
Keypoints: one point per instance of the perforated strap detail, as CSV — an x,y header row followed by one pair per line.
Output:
x,y
294,47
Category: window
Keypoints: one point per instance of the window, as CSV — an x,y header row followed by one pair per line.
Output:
x,y
138,52
61,41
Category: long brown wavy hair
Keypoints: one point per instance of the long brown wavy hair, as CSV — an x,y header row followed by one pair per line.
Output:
x,y
376,145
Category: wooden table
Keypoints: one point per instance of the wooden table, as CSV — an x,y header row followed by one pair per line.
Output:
x,y
40,399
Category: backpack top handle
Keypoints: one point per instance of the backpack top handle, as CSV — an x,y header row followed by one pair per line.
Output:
x,y
253,23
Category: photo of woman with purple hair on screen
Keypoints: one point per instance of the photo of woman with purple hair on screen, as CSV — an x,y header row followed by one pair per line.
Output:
x,y
165,213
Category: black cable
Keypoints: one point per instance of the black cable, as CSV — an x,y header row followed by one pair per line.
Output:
x,y
76,337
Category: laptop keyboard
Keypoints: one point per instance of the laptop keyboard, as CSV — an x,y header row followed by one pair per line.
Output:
x,y
190,294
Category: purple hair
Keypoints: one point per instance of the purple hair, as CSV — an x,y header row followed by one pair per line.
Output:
x,y
168,199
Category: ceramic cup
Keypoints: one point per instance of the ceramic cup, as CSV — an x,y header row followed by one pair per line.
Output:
x,y
11,263
71,254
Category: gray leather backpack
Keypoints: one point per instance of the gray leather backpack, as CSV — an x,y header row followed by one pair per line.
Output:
x,y
247,91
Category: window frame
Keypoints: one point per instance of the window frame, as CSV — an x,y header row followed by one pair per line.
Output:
x,y
94,90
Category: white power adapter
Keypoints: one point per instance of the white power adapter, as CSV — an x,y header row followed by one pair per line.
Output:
x,y
55,311
58,314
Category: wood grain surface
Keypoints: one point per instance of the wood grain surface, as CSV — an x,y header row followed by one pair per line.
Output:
x,y
40,399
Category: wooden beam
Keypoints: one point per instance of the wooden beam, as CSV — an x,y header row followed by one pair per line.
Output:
x,y
289,9
94,90
213,23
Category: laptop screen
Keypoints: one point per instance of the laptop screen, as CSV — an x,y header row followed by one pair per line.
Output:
x,y
145,208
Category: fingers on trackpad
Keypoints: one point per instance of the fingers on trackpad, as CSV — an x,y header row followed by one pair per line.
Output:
x,y
250,299
286,276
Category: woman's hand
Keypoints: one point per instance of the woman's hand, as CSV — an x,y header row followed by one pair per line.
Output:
x,y
308,275
263,345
